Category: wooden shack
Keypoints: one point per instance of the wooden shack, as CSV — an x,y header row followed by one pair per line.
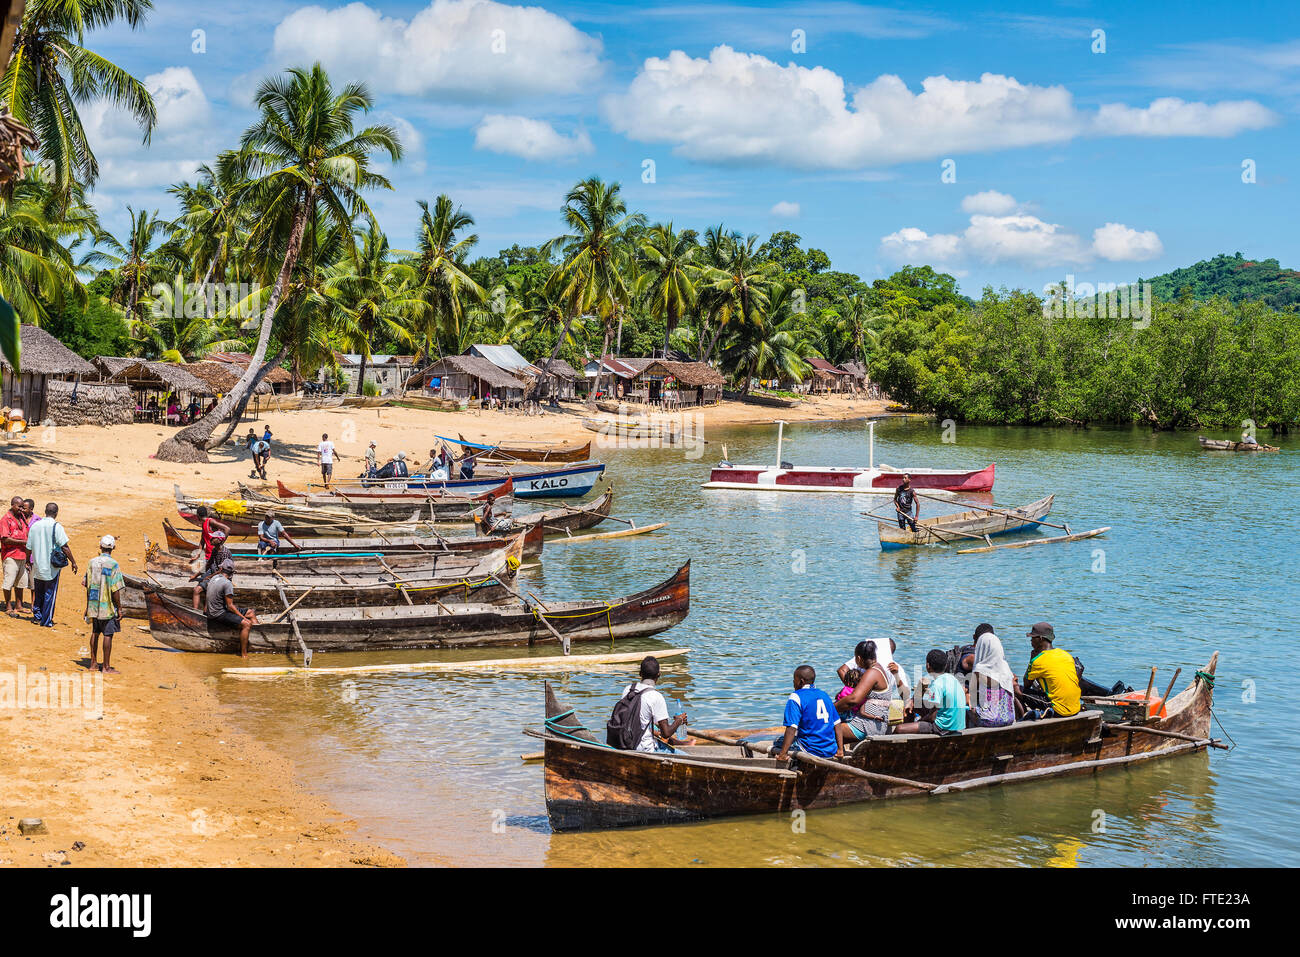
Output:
x,y
44,359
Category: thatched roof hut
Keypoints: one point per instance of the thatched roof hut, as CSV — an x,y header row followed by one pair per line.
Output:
x,y
146,376
675,382
468,377
693,375
43,359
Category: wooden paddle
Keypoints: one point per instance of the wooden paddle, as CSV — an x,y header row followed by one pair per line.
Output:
x,y
830,763
293,623
564,641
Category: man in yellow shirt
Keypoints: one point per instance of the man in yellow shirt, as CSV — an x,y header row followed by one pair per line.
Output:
x,y
1055,670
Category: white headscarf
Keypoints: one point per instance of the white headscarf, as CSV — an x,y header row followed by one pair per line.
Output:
x,y
991,661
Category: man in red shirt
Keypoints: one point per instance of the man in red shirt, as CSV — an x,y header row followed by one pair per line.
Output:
x,y
13,554
210,525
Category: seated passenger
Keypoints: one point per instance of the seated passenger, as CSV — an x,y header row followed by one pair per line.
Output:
x,y
942,706
870,698
809,720
1056,673
993,693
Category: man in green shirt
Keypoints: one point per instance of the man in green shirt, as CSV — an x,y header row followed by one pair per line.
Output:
x,y
104,584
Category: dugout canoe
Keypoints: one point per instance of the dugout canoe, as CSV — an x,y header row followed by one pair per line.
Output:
x,y
456,509
961,527
530,481
354,494
1226,445
391,627
570,518
386,544
541,452
257,584
329,565
589,785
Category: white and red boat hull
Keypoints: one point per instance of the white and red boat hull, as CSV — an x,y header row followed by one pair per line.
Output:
x,y
854,480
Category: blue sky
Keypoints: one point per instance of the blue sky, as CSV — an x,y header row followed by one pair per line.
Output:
x,y
834,120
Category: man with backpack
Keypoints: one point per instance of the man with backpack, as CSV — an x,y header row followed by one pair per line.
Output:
x,y
641,712
48,553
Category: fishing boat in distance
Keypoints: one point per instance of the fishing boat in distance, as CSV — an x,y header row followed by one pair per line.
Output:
x,y
977,524
591,785
873,479
1227,445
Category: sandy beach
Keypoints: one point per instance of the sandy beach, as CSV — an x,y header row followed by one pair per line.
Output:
x,y
159,776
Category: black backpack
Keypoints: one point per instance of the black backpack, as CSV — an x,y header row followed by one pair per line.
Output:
x,y
625,730
953,665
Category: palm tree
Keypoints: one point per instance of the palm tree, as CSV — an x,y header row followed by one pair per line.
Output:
x,y
137,261
371,300
37,267
668,284
302,157
211,217
768,346
589,279
50,73
737,291
440,267
172,336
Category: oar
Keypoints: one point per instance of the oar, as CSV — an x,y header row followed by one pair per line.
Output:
x,y
310,589
564,642
293,623
833,765
1165,700
1209,742
1020,517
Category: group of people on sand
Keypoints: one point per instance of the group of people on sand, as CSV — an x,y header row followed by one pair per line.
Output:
x,y
34,552
969,686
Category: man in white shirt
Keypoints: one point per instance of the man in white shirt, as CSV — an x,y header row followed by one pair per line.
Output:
x,y
654,709
43,539
325,456
885,656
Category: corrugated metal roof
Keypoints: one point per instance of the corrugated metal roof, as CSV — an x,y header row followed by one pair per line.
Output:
x,y
504,357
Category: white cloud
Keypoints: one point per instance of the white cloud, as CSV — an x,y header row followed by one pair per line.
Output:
x,y
1017,237
1170,116
472,50
738,108
785,210
990,201
1119,243
528,138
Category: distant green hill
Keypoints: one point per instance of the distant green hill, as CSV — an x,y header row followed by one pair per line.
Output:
x,y
1234,277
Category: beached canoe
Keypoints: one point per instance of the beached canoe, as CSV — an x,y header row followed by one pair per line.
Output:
x,y
963,526
435,509
258,584
384,542
350,494
540,452
590,785
530,481
1226,445
391,627
629,429
570,518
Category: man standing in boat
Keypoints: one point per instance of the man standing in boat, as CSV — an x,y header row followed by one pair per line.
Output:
x,y
906,504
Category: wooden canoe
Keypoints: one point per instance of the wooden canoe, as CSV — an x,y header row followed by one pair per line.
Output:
x,y
353,494
331,566
958,528
400,508
629,429
589,785
1226,445
559,452
390,627
257,584
570,518
384,543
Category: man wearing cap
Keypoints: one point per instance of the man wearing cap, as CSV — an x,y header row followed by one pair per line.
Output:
x,y
1054,669
103,581
221,608
219,554
269,532
372,465
906,504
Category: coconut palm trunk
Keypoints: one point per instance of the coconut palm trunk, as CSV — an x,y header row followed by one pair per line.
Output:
x,y
192,443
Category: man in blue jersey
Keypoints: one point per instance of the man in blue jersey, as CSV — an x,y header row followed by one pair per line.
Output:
x,y
810,719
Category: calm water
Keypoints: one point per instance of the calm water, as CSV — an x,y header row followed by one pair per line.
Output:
x,y
1201,557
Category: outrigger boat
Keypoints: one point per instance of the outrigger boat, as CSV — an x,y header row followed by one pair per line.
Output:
x,y
879,480
381,543
483,579
591,785
962,527
392,627
350,495
530,481
1227,445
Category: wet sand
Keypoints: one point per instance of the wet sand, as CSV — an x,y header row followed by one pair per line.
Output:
x,y
162,777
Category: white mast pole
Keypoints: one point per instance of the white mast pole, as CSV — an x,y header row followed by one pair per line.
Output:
x,y
871,445
780,435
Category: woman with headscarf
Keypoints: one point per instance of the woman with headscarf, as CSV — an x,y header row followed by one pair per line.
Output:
x,y
993,697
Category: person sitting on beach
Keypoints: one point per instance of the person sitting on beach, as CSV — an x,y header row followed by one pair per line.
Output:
x,y
104,584
173,412
871,697
993,698
1056,673
269,533
651,713
208,529
221,608
906,504
942,706
810,719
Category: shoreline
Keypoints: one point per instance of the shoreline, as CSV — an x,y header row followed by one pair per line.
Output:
x,y
164,777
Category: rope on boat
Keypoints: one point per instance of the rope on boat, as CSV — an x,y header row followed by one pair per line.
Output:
x,y
553,728
1206,677
1209,681
609,623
